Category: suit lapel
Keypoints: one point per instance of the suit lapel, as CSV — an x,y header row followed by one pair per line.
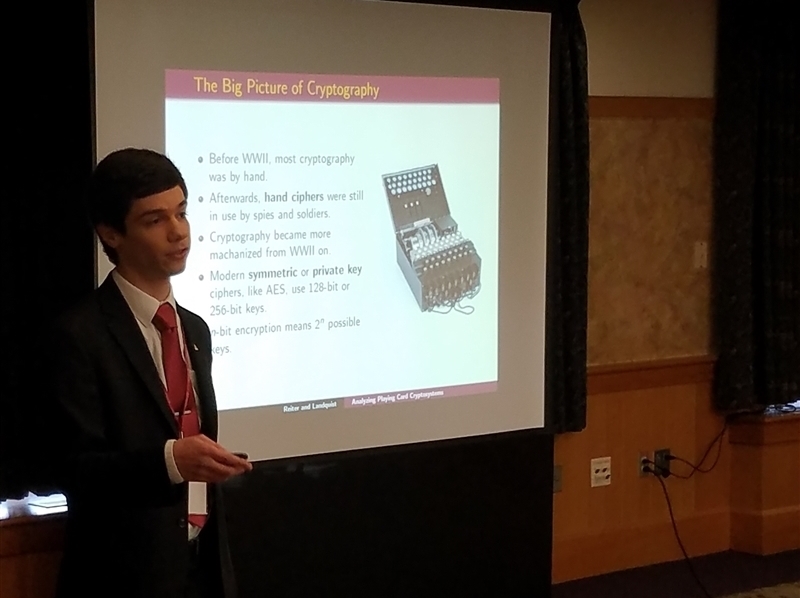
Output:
x,y
200,365
124,328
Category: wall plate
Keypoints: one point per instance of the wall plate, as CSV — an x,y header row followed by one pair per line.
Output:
x,y
601,472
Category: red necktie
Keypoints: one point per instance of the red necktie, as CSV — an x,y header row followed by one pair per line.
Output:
x,y
180,393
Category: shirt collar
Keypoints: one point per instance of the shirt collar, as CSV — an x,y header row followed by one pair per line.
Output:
x,y
142,305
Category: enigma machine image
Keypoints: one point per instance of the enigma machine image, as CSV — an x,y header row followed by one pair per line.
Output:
x,y
441,266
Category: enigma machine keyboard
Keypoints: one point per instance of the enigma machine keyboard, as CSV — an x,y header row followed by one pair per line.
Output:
x,y
441,266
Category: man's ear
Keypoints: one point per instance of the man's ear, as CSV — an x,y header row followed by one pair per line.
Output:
x,y
109,235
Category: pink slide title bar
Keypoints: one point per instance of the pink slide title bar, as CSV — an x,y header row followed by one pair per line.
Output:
x,y
289,87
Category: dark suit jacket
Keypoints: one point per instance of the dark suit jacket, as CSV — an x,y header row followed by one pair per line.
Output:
x,y
126,526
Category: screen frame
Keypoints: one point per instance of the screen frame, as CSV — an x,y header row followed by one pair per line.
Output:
x,y
551,296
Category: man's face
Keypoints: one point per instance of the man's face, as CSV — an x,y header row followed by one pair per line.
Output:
x,y
156,239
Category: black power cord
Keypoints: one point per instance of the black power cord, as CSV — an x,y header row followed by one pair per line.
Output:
x,y
699,467
648,466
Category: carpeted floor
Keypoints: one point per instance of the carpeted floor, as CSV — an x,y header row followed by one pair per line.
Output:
x,y
789,590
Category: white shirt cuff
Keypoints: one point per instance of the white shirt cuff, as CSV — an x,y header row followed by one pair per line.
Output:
x,y
172,468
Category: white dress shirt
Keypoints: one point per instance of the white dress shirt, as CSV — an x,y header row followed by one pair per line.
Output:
x,y
144,308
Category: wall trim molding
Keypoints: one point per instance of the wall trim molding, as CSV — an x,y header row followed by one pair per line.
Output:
x,y
624,377
650,107
764,430
605,552
766,532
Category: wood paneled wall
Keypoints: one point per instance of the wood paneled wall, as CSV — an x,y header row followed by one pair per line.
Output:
x,y
648,310
30,553
765,485
636,409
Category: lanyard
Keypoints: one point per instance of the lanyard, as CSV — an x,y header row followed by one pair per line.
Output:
x,y
188,388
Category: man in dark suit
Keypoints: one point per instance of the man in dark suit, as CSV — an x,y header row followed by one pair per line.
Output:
x,y
135,414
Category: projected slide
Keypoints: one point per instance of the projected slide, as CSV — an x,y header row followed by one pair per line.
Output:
x,y
344,235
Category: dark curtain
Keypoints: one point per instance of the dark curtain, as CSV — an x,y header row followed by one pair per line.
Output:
x,y
756,281
48,245
569,228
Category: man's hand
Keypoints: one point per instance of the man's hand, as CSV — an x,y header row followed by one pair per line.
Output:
x,y
200,459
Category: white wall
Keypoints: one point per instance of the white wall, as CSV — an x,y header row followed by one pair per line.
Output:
x,y
659,48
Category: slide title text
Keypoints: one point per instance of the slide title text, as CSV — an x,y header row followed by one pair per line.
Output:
x,y
255,87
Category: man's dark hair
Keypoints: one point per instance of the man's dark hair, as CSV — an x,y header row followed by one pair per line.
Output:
x,y
121,178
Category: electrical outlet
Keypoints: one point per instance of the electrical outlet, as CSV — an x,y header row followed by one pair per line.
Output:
x,y
643,460
601,471
557,472
661,462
